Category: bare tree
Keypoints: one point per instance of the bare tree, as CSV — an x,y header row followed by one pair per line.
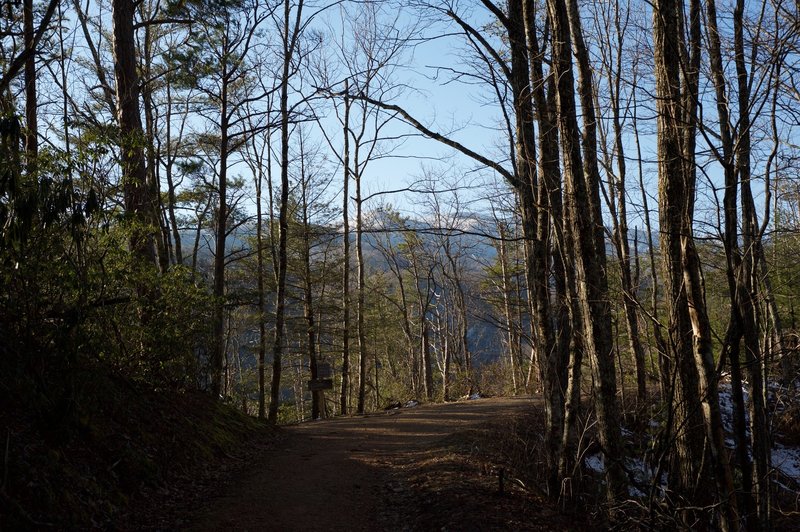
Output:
x,y
617,18
31,129
291,25
582,188
677,73
387,222
217,63
366,52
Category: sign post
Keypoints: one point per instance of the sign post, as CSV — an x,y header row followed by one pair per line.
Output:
x,y
324,381
316,385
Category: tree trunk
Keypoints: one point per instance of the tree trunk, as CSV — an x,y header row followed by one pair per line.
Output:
x,y
218,355
171,195
677,71
619,216
153,181
512,336
262,310
582,185
423,305
742,319
31,129
134,175
308,294
427,359
748,293
664,366
533,218
289,41
360,310
673,191
346,260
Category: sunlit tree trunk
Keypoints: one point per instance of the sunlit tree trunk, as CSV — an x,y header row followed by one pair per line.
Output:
x,y
582,190
360,310
343,402
698,415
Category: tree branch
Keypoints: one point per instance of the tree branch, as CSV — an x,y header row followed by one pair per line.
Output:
x,y
494,165
19,61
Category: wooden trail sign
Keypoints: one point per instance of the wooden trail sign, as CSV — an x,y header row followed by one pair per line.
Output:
x,y
324,371
316,385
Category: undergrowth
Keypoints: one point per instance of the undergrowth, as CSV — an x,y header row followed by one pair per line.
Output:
x,y
86,469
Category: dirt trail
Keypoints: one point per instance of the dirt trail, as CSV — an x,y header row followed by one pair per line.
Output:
x,y
346,473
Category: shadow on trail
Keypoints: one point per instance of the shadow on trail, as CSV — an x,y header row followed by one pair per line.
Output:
x,y
348,473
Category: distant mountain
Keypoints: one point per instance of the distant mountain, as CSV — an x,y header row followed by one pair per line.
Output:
x,y
470,239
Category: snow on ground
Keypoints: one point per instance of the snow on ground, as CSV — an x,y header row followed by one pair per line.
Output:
x,y
595,462
785,459
726,407
641,472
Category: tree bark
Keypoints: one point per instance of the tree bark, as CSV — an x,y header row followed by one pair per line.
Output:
x,y
290,36
748,293
221,233
317,397
582,188
677,73
134,175
741,316
360,309
31,129
262,310
534,223
346,259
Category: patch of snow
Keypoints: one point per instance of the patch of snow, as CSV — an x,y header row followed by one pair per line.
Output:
x,y
633,491
726,406
411,404
474,396
640,471
775,386
787,460
595,462
642,474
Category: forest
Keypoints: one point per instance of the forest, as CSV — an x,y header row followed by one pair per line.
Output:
x,y
291,210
